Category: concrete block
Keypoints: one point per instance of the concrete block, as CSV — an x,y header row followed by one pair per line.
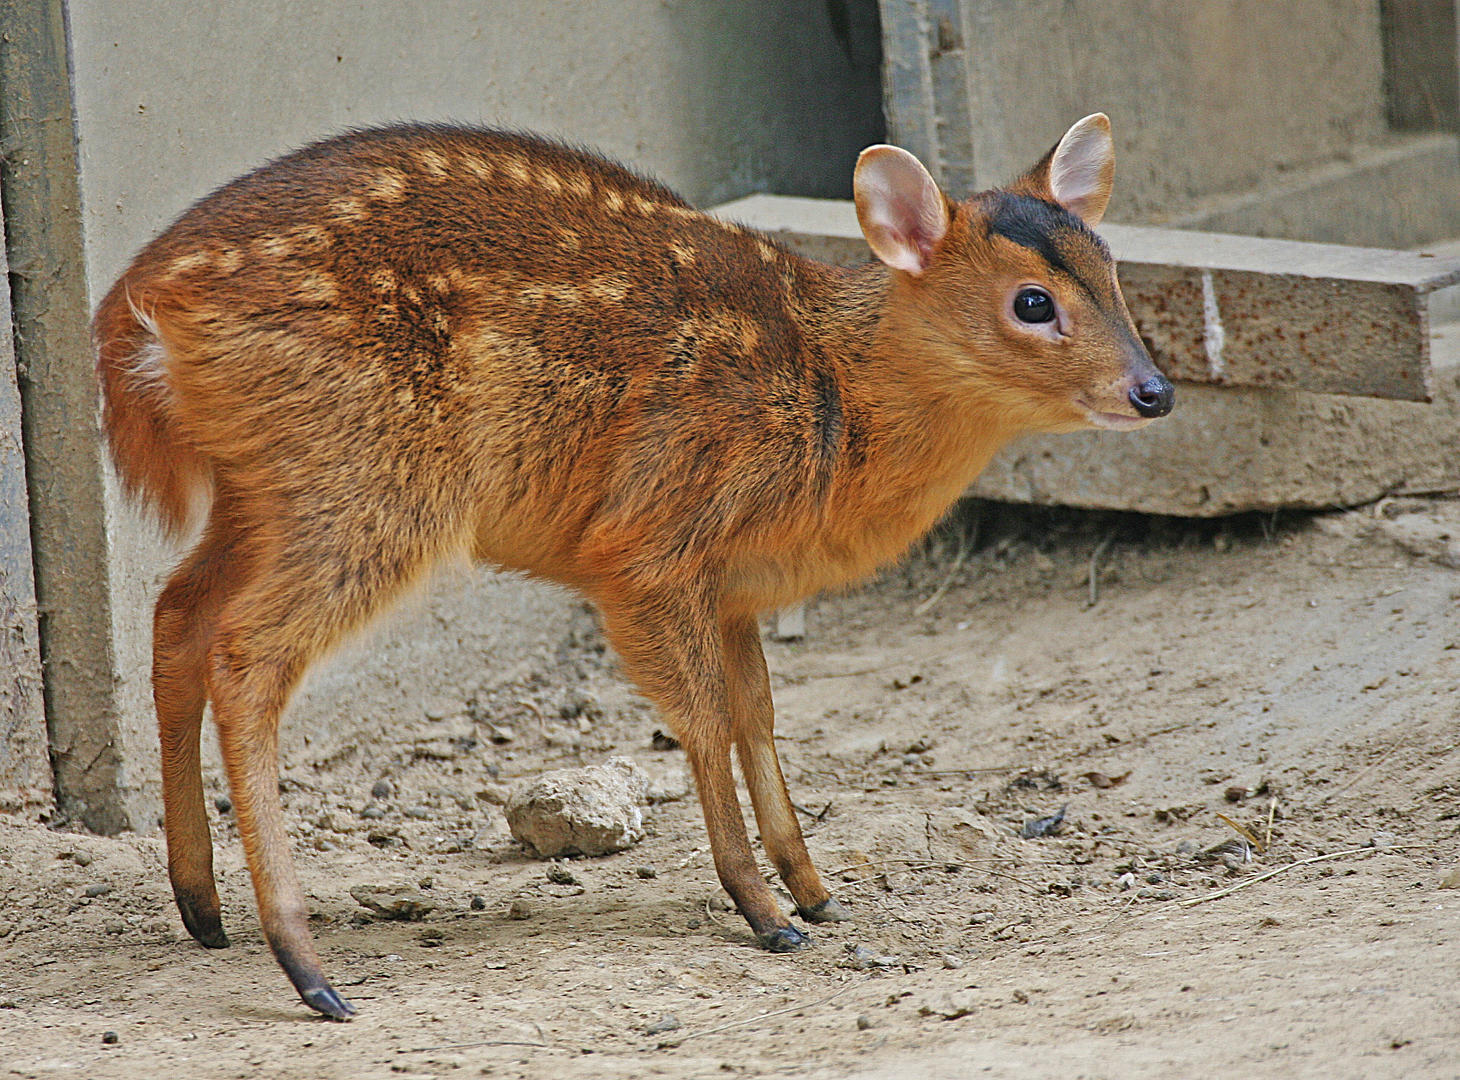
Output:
x,y
1227,450
1231,310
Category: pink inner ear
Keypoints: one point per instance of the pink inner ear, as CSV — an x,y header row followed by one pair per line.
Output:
x,y
901,211
1082,169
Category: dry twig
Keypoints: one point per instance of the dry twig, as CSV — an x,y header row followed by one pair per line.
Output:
x,y
1095,557
1279,870
965,545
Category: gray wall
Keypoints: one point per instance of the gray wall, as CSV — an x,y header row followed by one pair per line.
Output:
x,y
716,98
173,98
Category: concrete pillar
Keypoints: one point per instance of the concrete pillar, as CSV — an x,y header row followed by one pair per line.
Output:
x,y
25,767
92,747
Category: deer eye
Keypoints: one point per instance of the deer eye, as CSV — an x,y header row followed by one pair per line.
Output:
x,y
1033,306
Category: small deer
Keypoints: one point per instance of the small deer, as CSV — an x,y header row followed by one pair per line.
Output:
x,y
404,345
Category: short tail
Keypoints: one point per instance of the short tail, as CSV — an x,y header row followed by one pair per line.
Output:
x,y
156,463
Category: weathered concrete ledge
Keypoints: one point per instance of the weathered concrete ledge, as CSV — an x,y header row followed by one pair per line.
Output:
x,y
1303,327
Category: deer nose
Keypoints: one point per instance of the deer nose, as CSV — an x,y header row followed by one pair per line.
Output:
x,y
1154,397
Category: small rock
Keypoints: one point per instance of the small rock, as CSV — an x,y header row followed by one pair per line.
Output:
x,y
223,803
426,882
646,872
668,782
951,962
860,958
381,790
864,1022
519,909
496,794
589,811
948,1006
110,1038
1126,881
1045,826
668,1022
559,874
431,937
393,902
101,888
81,858
419,813
1155,878
441,708
978,918
1383,839
1451,880
478,903
500,733
373,811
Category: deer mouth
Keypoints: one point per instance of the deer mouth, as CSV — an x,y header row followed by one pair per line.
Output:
x,y
1112,421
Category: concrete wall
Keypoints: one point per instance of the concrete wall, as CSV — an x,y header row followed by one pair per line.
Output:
x,y
1205,98
1284,120
172,99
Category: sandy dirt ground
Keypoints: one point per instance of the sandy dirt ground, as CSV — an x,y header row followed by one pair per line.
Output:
x,y
1265,704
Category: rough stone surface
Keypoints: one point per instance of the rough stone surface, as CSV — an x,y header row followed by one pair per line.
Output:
x,y
595,810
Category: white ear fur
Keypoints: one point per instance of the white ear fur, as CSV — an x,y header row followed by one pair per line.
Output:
x,y
902,213
1082,169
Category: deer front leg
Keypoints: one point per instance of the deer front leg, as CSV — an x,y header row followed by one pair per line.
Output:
x,y
671,647
748,684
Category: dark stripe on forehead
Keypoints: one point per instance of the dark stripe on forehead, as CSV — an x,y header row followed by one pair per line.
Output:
x,y
1050,231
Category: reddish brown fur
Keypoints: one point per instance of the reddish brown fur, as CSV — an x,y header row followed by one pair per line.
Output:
x,y
406,344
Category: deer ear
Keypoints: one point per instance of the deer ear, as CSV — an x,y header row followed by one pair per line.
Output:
x,y
1079,171
902,213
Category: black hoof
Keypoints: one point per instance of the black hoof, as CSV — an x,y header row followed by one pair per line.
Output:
x,y
783,939
326,1000
829,910
205,926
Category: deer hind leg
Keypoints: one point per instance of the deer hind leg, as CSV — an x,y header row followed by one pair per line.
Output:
x,y
671,648
306,592
749,689
183,626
